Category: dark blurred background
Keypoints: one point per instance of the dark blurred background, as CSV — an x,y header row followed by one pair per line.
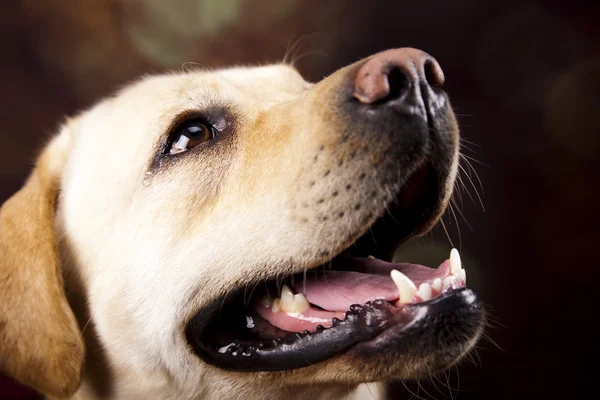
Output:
x,y
524,78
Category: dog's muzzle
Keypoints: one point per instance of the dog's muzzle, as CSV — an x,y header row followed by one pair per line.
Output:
x,y
392,149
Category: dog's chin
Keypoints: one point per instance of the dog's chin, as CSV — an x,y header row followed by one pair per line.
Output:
x,y
350,308
435,336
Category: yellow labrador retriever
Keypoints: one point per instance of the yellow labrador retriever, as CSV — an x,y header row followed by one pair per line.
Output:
x,y
228,234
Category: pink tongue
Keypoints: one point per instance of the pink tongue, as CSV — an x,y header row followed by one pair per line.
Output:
x,y
368,280
337,290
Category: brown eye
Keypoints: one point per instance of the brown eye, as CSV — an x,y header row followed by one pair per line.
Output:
x,y
190,135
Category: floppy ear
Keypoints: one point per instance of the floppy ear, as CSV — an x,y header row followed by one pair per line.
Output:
x,y
40,342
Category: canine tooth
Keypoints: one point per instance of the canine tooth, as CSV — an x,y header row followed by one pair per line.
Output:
x,y
461,276
436,284
425,291
301,303
276,305
405,286
287,296
455,263
292,303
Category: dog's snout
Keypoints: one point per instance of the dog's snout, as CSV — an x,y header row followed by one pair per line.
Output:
x,y
402,79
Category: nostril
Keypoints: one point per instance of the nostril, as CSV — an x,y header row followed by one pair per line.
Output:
x,y
433,73
398,84
396,77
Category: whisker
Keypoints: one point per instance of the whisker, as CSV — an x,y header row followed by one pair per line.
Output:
x,y
292,53
425,390
446,375
474,187
370,392
461,214
457,379
490,319
437,378
434,384
462,139
474,160
492,341
291,48
457,226
183,66
464,147
251,292
471,359
411,392
446,230
475,173
308,53
457,192
474,354
464,186
84,327
304,279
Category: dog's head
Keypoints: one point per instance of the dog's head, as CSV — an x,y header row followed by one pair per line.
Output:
x,y
217,226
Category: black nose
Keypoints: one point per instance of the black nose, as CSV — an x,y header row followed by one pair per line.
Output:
x,y
402,79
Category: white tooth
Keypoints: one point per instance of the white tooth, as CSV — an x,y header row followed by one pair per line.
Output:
x,y
372,257
461,276
276,305
287,296
292,303
405,286
436,284
425,291
447,282
455,263
450,282
300,303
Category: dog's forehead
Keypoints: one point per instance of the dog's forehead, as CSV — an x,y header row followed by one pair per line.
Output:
x,y
274,78
247,88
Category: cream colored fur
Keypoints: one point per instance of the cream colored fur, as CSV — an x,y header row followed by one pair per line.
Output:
x,y
143,248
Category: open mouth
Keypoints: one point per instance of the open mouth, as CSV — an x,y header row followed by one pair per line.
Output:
x,y
353,299
326,295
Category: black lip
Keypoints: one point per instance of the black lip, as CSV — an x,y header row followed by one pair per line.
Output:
x,y
363,327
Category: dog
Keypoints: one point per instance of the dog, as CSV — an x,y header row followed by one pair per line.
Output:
x,y
228,234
